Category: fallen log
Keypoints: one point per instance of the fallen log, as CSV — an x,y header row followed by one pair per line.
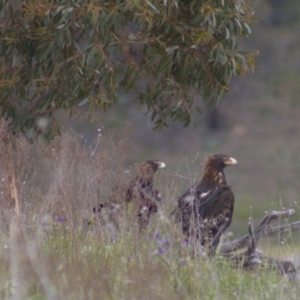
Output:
x,y
252,257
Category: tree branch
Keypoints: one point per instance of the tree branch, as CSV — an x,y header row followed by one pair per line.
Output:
x,y
263,229
252,257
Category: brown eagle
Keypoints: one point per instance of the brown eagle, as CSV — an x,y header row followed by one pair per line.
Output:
x,y
205,210
140,192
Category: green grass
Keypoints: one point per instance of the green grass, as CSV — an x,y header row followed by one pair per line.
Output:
x,y
66,264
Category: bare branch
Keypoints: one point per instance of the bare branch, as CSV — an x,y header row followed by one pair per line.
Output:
x,y
283,229
275,215
252,246
263,229
252,258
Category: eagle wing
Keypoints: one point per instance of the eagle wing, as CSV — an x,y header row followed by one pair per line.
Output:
x,y
210,210
213,201
214,213
187,203
197,196
147,204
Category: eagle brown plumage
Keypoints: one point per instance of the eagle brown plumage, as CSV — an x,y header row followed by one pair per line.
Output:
x,y
205,210
140,192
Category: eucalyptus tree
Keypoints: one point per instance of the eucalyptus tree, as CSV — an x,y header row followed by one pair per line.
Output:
x,y
61,54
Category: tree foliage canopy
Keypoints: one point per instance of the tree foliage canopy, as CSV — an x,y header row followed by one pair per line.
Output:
x,y
58,54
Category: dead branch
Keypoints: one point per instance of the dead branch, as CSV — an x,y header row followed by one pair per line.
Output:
x,y
263,229
253,257
14,195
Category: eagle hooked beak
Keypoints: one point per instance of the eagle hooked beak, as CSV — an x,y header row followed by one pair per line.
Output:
x,y
161,165
231,161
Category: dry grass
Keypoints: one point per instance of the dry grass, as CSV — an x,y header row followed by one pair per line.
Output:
x,y
47,253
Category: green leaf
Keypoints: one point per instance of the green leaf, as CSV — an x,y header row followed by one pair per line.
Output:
x,y
83,102
61,26
68,10
198,109
152,6
170,50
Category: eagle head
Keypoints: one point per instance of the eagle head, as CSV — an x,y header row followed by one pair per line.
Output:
x,y
148,168
154,165
214,166
220,161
